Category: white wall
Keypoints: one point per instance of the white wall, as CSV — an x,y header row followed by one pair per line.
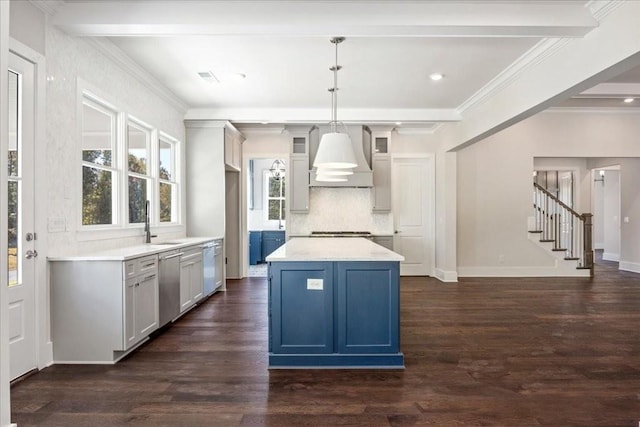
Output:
x,y
68,60
494,185
611,216
28,25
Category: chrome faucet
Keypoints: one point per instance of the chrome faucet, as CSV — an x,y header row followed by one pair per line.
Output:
x,y
147,225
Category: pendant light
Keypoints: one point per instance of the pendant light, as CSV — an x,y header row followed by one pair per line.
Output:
x,y
335,150
277,169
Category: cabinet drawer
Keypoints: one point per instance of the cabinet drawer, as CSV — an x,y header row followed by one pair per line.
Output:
x,y
191,254
135,267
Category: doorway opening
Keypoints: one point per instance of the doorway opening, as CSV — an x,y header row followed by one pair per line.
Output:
x,y
266,207
606,213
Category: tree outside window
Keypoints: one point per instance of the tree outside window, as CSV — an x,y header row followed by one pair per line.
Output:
x,y
275,198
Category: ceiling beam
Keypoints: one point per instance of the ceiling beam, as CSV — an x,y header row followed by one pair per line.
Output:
x,y
611,90
322,115
575,66
326,18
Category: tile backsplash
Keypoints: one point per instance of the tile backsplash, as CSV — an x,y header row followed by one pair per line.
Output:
x,y
340,209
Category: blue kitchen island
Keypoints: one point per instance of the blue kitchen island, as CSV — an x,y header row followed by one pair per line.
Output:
x,y
334,303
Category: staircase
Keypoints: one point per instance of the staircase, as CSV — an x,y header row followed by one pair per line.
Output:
x,y
565,232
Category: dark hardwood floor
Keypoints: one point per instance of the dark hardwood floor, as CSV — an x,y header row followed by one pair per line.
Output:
x,y
507,352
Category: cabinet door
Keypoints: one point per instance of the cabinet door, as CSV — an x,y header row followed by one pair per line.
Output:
x,y
146,305
271,240
368,307
381,184
301,307
129,312
186,299
299,184
196,280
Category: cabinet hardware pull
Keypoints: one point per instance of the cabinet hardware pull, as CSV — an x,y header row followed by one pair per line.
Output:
x,y
150,277
172,256
149,265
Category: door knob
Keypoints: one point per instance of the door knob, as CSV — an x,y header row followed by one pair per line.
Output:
x,y
31,254
396,232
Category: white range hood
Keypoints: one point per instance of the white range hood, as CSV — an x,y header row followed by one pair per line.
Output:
x,y
362,175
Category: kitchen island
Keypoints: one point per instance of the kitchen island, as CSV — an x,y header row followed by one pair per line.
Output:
x,y
334,303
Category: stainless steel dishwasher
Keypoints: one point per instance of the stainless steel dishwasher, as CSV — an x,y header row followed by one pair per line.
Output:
x,y
169,286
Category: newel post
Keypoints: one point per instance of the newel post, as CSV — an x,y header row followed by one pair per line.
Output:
x,y
588,240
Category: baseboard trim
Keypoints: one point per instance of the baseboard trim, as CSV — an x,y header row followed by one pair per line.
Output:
x,y
520,272
633,267
608,256
446,276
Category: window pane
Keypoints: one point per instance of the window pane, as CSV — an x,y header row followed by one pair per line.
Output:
x,y
282,181
274,187
97,196
166,202
137,199
166,166
97,135
138,150
13,124
274,209
12,220
282,210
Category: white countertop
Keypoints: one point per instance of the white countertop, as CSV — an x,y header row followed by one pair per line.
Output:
x,y
130,252
332,249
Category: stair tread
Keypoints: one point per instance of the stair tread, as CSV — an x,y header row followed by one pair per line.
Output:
x,y
583,268
535,231
571,259
558,249
547,240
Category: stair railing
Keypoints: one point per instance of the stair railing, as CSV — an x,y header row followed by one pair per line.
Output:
x,y
568,230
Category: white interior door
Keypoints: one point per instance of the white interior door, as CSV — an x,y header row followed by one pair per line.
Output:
x,y
22,238
413,203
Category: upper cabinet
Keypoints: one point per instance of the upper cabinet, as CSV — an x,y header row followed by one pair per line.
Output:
x,y
299,165
233,148
381,166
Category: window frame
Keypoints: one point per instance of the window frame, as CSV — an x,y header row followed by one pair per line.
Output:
x,y
174,181
119,168
104,107
267,198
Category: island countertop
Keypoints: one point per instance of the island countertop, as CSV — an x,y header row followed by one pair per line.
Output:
x,y
332,249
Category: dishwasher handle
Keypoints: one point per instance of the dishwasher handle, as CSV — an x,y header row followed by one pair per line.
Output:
x,y
171,256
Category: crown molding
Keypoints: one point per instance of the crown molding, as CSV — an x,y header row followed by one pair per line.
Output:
x,y
601,8
592,110
50,7
532,57
115,54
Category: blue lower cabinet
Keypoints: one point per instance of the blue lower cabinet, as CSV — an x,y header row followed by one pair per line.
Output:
x,y
368,304
255,247
271,240
334,315
301,307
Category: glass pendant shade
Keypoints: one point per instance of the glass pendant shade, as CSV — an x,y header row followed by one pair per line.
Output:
x,y
335,152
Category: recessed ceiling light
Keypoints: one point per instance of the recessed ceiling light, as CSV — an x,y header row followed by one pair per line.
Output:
x,y
628,100
436,76
398,123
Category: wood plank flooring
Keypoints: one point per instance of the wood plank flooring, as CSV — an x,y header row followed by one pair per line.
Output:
x,y
509,352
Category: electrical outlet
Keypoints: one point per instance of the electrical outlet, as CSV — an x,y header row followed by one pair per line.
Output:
x,y
315,284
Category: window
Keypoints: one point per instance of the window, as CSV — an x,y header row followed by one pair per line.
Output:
x,y
122,168
168,185
138,171
275,197
99,165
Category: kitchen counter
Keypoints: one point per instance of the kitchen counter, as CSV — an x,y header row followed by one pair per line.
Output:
x,y
131,252
332,249
334,303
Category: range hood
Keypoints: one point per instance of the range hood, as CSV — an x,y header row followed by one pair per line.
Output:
x,y
362,174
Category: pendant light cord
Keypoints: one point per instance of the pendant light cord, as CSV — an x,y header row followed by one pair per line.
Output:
x,y
334,89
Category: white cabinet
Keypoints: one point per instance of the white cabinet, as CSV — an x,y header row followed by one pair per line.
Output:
x,y
299,166
381,167
100,310
299,184
232,149
191,278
